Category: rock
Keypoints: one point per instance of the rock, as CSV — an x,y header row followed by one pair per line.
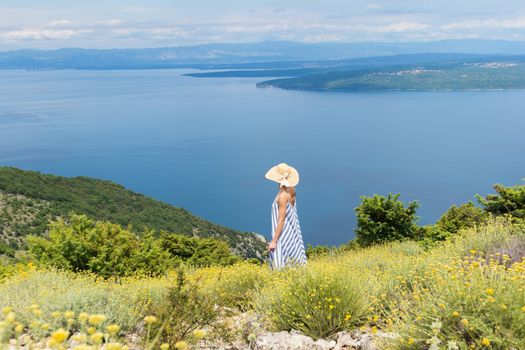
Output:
x,y
291,341
345,339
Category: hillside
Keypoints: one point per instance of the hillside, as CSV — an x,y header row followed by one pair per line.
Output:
x,y
505,73
29,199
214,55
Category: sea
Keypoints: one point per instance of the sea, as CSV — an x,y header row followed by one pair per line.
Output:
x,y
204,144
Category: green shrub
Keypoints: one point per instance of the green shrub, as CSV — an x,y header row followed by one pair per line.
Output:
x,y
507,200
183,310
315,302
82,244
197,252
457,218
383,219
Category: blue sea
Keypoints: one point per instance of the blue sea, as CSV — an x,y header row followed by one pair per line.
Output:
x,y
205,144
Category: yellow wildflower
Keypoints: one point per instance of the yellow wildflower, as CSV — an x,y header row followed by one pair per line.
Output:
x,y
165,346
410,341
181,345
7,310
97,338
113,346
83,317
485,342
10,317
490,291
199,333
113,329
465,322
455,314
19,328
60,335
96,320
150,319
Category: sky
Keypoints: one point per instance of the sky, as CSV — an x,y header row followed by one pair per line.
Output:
x,y
49,24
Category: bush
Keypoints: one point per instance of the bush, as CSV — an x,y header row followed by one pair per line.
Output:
x,y
507,200
234,286
315,302
183,310
81,244
197,252
457,218
383,219
467,303
123,302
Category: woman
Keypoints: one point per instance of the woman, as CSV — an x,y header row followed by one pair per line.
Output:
x,y
286,246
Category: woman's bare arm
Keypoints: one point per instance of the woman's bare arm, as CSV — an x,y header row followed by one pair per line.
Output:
x,y
281,200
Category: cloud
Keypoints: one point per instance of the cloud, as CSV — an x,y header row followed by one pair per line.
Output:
x,y
509,23
42,34
398,27
111,22
61,23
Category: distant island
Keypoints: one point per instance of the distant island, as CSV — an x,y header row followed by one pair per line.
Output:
x,y
418,72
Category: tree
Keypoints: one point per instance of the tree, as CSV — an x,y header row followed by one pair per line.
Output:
x,y
507,200
456,218
383,219
107,249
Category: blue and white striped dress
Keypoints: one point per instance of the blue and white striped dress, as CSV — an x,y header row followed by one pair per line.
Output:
x,y
290,246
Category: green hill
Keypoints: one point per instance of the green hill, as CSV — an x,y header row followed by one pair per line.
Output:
x,y
28,200
457,76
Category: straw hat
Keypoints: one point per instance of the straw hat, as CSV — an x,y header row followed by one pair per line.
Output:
x,y
284,175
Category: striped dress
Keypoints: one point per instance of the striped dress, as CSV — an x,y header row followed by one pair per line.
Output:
x,y
290,246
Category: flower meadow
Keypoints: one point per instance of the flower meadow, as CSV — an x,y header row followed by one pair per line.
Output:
x,y
465,293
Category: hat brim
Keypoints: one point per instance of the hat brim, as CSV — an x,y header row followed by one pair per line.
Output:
x,y
274,175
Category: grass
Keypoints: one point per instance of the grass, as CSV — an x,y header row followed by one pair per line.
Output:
x,y
467,293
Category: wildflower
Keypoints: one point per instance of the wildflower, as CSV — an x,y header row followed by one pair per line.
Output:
x,y
91,330
165,346
376,318
69,314
503,307
10,317
490,291
7,310
485,341
523,308
374,329
331,306
83,317
347,317
410,341
56,314
97,338
472,251
59,336
441,306
45,326
113,346
455,314
79,337
95,320
19,328
113,329
150,319
199,333
181,345
465,322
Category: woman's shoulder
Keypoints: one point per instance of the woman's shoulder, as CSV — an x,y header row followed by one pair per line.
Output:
x,y
284,197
